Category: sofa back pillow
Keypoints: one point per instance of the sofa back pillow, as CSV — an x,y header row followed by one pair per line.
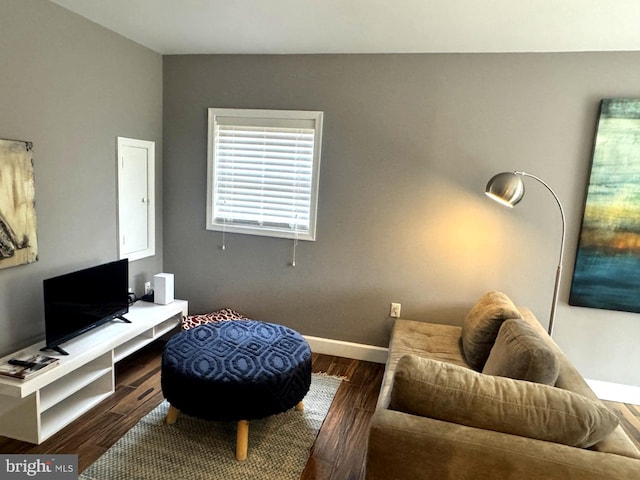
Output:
x,y
519,352
481,325
429,388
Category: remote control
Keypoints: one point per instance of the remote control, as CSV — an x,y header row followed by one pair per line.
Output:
x,y
22,363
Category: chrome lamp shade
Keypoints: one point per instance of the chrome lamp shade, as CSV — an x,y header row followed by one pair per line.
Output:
x,y
506,188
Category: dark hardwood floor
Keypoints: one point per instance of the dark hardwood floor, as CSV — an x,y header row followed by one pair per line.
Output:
x,y
629,416
339,450
337,454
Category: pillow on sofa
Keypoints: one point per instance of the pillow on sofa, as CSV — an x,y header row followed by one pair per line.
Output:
x,y
481,325
192,321
443,391
521,353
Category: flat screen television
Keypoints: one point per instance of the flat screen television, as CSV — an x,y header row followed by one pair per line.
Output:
x,y
79,301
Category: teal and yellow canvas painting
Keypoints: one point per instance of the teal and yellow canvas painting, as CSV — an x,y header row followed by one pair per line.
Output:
x,y
607,267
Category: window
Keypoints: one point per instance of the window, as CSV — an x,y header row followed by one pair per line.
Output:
x,y
263,168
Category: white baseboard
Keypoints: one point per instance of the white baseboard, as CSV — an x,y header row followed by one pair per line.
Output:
x,y
357,351
615,392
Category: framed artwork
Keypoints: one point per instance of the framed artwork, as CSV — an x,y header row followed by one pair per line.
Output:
x,y
18,240
607,268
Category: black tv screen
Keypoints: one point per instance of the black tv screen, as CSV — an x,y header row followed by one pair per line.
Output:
x,y
79,301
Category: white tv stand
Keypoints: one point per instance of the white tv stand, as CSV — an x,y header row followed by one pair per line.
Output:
x,y
32,410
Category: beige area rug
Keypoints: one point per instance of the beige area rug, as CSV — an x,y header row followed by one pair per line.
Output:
x,y
196,449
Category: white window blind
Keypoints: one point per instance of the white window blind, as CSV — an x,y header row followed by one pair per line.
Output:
x,y
263,172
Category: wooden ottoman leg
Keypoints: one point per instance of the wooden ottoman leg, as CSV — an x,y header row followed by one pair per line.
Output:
x,y
242,440
172,415
299,406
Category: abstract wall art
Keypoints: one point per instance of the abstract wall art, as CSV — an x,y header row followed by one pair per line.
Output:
x,y
18,241
607,267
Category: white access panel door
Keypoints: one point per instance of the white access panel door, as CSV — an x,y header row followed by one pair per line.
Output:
x,y
136,189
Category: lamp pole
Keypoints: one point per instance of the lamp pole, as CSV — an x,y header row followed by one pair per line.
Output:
x,y
556,287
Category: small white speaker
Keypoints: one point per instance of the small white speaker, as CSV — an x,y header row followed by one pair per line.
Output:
x,y
163,288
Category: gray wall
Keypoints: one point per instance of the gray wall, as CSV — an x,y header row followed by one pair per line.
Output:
x,y
71,87
409,144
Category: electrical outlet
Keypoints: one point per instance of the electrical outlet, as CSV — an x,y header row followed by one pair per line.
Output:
x,y
394,311
147,287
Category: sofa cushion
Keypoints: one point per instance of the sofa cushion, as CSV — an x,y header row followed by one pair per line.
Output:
x,y
432,340
520,353
456,394
481,325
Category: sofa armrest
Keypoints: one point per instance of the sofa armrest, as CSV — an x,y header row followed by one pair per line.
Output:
x,y
405,446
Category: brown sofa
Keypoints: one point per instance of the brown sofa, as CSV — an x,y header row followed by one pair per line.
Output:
x,y
439,418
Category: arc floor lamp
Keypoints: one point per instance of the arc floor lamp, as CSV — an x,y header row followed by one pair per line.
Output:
x,y
507,188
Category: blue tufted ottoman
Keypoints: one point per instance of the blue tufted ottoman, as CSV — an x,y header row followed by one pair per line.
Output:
x,y
237,370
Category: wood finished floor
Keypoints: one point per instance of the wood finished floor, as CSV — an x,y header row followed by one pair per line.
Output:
x,y
337,454
629,416
339,450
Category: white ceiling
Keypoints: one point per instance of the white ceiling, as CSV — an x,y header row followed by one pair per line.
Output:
x,y
369,26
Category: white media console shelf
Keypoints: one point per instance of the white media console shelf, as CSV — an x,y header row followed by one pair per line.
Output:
x,y
32,410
